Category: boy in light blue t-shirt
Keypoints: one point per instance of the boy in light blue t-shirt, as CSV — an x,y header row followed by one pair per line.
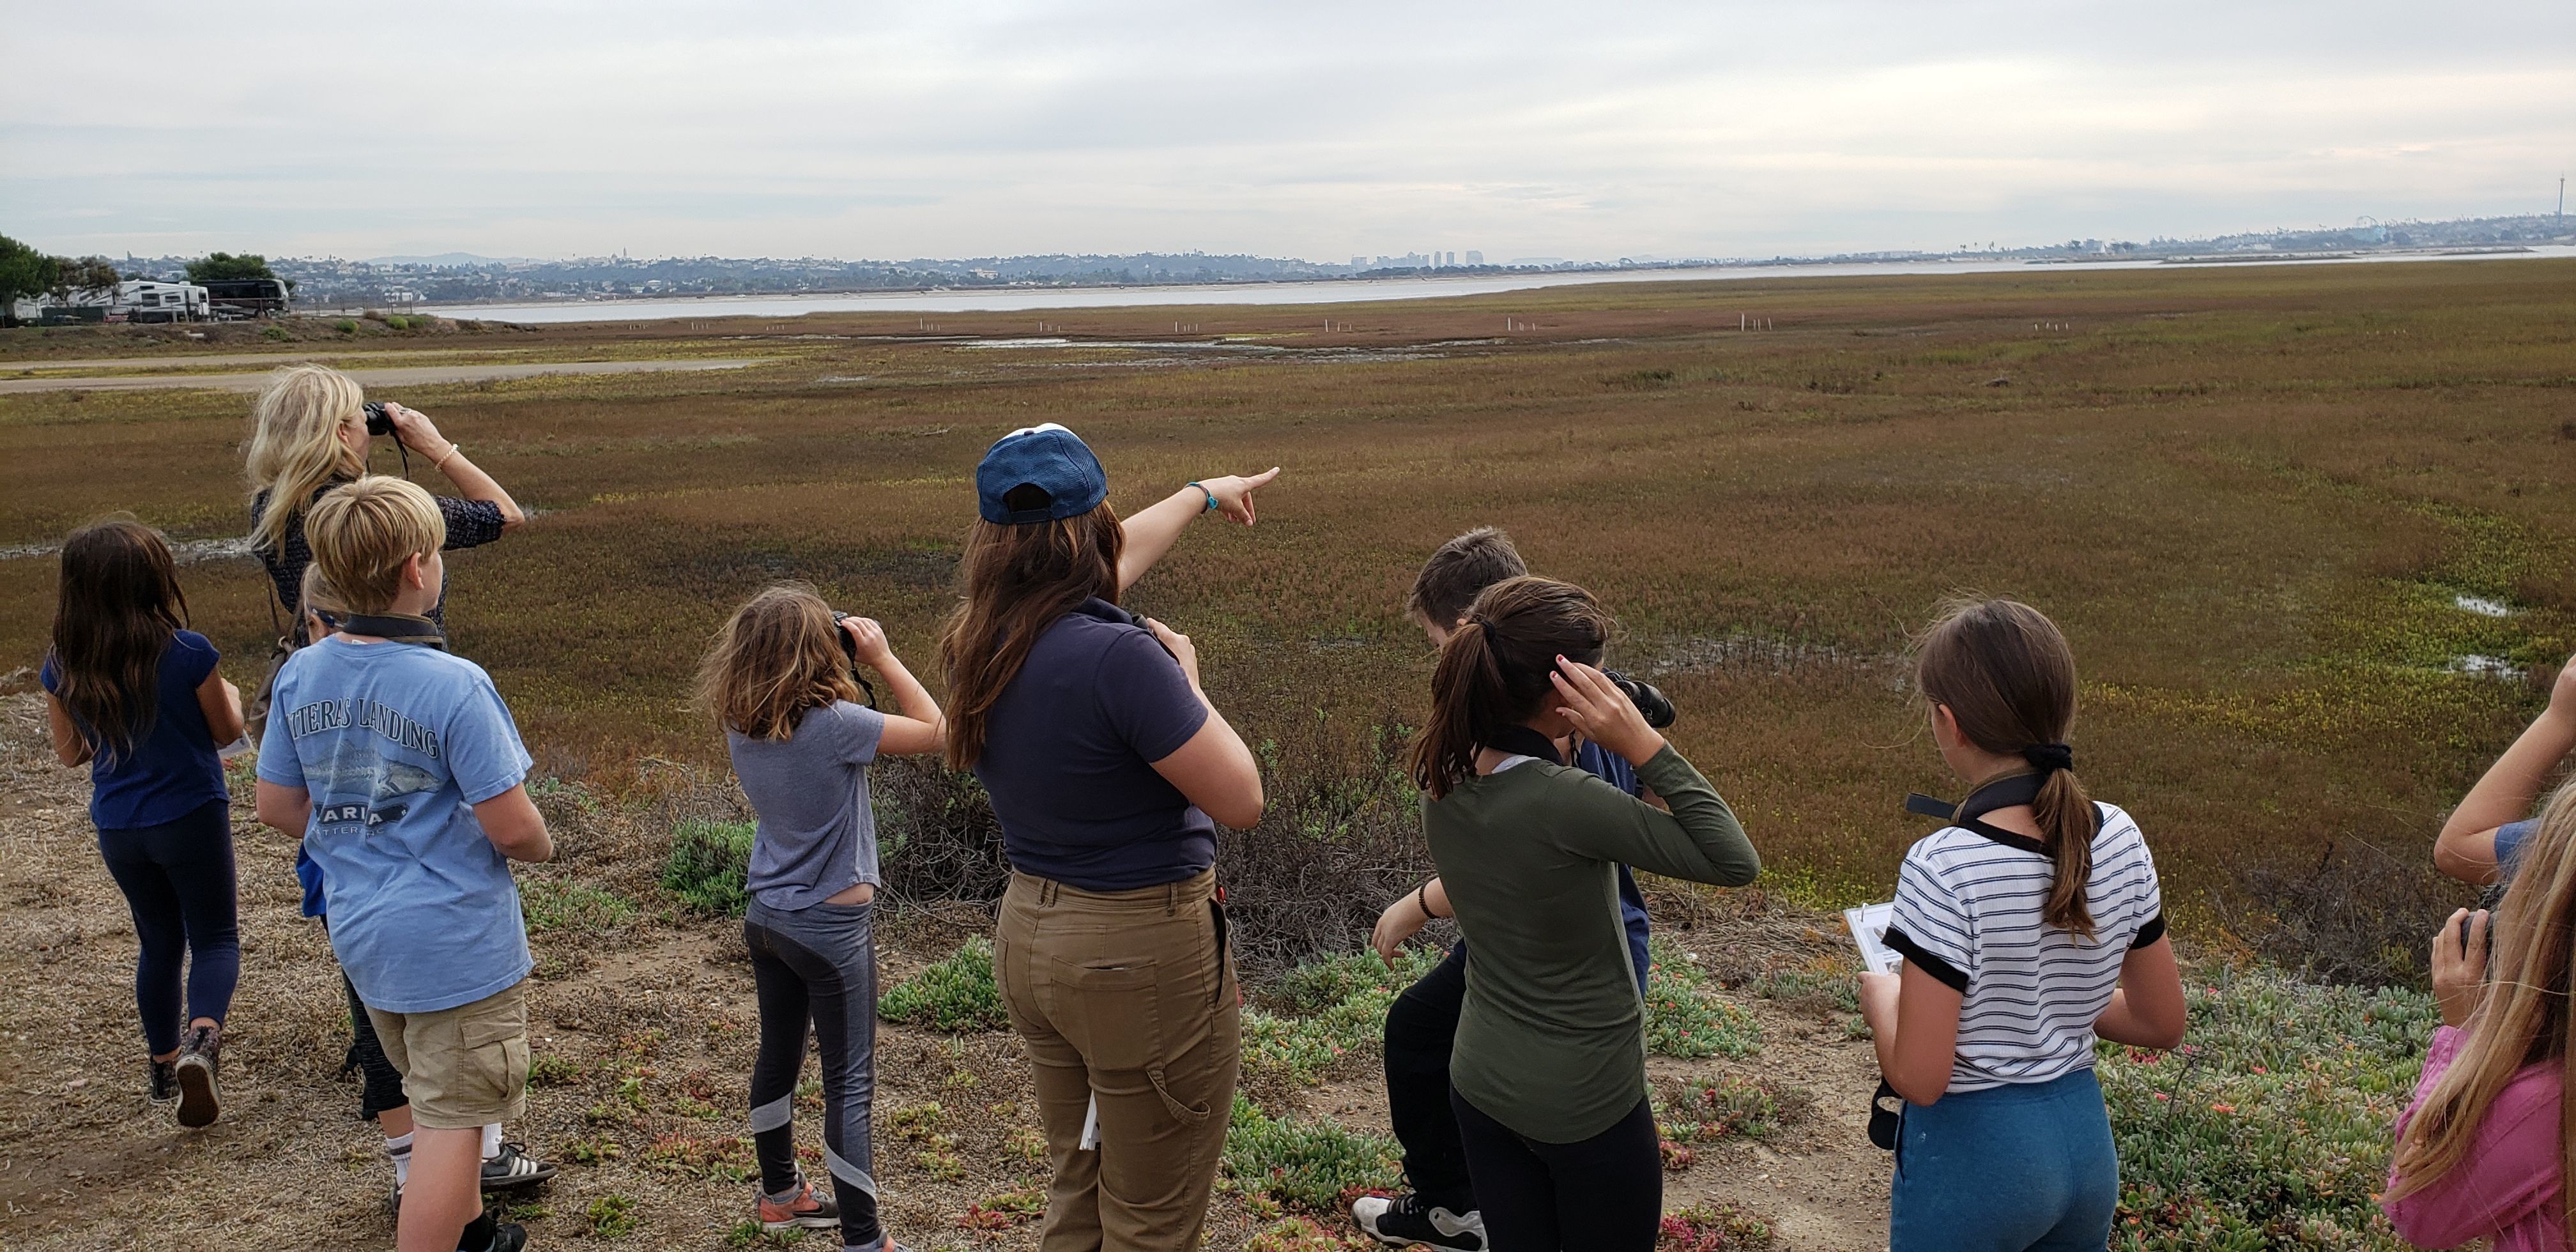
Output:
x,y
403,771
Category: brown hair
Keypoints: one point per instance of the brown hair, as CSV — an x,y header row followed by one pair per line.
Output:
x,y
2521,1020
1494,670
2008,678
1459,572
1016,581
115,615
364,532
773,659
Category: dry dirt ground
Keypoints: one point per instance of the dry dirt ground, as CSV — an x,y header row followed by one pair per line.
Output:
x,y
644,1032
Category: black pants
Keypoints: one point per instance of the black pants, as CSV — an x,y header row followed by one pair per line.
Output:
x,y
178,883
1606,1192
817,967
384,1089
1421,1026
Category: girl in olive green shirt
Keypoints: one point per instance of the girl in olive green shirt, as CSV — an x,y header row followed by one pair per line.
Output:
x,y
1549,1074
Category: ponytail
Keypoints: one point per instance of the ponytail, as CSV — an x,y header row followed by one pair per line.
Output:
x,y
2066,821
1494,671
2008,678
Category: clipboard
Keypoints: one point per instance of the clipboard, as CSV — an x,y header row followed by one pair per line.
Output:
x,y
1868,923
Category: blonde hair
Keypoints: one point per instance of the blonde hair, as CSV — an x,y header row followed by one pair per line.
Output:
x,y
2522,1018
319,596
363,533
295,447
776,657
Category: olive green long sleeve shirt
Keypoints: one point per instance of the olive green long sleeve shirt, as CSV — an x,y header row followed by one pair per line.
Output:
x,y
1552,1040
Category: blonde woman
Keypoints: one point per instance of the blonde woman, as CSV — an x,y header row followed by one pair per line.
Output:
x,y
309,435
2483,1151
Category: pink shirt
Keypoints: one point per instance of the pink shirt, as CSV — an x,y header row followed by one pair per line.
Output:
x,y
2508,1187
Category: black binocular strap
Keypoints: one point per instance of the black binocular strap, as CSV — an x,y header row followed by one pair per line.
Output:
x,y
390,627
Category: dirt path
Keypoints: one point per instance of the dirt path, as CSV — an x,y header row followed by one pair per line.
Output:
x,y
645,1029
408,375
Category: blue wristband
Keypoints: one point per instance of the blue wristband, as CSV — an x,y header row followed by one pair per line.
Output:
x,y
1211,496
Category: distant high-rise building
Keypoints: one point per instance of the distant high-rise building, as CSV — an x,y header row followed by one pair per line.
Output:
x,y
1359,262
1475,258
1453,259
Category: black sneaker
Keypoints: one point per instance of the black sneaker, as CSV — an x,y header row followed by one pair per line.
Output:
x,y
200,1059
1406,1220
506,1237
513,1169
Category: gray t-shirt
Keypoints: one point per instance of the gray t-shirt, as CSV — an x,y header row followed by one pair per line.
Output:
x,y
818,837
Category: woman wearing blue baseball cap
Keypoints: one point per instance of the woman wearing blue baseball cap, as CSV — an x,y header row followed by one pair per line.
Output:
x,y
1109,770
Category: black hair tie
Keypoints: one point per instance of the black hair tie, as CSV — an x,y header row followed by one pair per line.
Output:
x,y
2048,758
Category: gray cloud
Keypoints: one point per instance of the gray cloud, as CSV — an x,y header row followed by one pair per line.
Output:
x,y
1319,130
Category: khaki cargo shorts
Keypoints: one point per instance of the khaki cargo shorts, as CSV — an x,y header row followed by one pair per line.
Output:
x,y
463,1067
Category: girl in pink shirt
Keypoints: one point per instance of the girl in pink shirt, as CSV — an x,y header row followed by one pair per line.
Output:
x,y
2483,1152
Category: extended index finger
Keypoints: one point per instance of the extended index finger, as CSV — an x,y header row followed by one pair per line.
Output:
x,y
1261,479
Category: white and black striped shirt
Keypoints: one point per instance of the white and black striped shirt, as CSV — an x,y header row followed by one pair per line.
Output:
x,y
1968,913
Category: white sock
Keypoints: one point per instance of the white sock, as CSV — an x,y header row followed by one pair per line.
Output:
x,y
398,1150
492,1141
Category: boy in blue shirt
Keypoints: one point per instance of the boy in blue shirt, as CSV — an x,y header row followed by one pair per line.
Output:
x,y
404,772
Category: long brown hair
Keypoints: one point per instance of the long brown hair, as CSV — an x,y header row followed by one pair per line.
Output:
x,y
1017,580
115,616
773,659
2522,1020
1494,670
2007,676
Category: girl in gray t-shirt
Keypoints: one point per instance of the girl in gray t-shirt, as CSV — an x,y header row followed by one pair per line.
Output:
x,y
782,682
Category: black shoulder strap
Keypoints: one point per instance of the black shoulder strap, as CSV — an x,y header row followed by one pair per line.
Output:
x,y
1969,814
390,627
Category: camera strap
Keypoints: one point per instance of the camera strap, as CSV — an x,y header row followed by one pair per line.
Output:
x,y
1518,740
390,627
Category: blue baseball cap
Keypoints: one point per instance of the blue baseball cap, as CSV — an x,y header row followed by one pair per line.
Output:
x,y
1048,457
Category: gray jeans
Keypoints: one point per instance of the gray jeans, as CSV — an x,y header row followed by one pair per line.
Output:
x,y
817,964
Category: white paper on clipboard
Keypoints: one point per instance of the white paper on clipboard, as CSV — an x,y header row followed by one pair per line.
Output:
x,y
1090,1125
1868,923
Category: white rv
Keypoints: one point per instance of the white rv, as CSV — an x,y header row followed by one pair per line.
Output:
x,y
145,300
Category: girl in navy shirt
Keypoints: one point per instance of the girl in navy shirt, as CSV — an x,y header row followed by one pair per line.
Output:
x,y
136,695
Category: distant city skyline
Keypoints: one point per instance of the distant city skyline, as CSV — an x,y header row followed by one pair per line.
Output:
x,y
1526,131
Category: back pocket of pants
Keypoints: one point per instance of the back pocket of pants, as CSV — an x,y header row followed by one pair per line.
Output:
x,y
1111,1013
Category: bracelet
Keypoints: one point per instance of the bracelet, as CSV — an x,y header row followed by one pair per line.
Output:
x,y
1422,899
1211,496
453,448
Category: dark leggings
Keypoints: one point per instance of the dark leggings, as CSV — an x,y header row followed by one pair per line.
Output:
x,y
1421,1027
384,1089
817,966
178,882
1605,1192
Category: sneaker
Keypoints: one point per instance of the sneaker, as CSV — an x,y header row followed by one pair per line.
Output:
x,y
803,1209
200,1059
514,1169
165,1082
1406,1220
506,1237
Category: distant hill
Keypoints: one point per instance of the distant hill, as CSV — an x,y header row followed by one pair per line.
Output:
x,y
451,259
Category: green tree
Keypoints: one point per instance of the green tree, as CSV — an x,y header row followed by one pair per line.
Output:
x,y
24,272
219,265
77,274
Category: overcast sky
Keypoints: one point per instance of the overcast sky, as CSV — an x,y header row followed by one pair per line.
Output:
x,y
1319,130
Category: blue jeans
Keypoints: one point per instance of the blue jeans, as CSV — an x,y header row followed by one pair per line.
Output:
x,y
178,882
817,966
2028,1166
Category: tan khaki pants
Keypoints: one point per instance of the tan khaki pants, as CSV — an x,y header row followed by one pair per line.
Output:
x,y
1129,996
464,1067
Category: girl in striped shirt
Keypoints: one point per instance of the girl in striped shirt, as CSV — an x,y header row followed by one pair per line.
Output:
x,y
2030,926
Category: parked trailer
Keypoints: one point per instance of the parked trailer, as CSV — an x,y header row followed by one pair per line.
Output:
x,y
248,297
145,300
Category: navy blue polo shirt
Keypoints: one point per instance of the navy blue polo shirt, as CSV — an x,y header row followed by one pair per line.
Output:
x,y
171,771
1068,758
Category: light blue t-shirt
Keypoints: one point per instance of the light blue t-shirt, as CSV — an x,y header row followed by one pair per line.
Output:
x,y
396,743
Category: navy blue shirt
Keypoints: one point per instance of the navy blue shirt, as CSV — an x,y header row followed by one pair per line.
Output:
x,y
172,771
2509,840
1609,768
1069,751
